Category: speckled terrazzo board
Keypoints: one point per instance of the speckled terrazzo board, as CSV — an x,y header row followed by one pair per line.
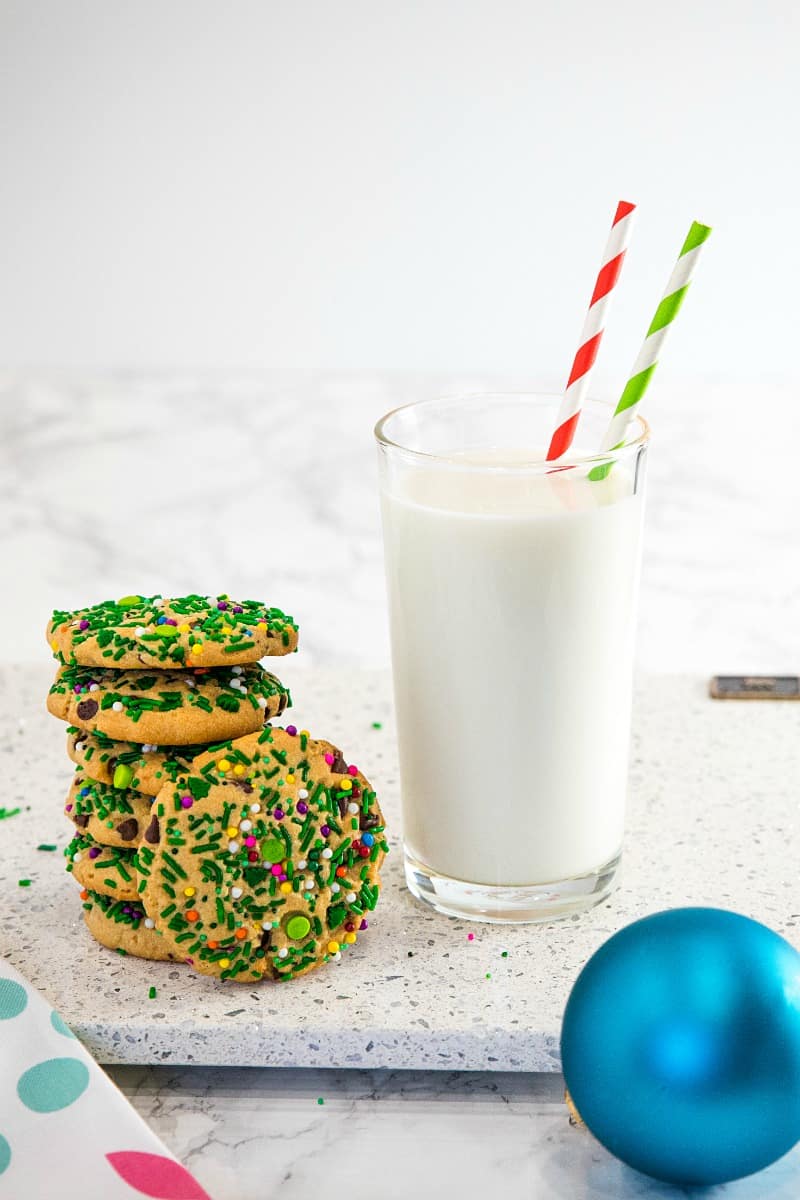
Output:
x,y
713,820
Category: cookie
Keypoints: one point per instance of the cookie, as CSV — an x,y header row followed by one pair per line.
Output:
x,y
124,926
106,869
266,858
148,631
109,816
145,768
167,707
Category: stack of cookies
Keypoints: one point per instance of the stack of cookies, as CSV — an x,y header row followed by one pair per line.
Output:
x,y
204,834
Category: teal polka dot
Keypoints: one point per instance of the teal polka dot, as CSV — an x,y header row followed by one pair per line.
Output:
x,y
5,1154
53,1084
60,1025
13,999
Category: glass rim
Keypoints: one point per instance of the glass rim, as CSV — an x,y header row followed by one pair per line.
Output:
x,y
630,444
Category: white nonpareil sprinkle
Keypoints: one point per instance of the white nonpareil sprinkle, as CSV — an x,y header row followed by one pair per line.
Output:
x,y
237,670
337,956
327,852
308,885
352,809
350,897
94,687
245,826
80,747
301,866
262,703
334,887
236,892
266,924
117,706
282,952
233,847
76,857
149,923
139,630
255,808
302,794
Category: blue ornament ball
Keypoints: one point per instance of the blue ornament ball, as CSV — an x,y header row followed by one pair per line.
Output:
x,y
681,1045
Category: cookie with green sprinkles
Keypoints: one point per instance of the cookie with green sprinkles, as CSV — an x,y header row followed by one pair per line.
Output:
x,y
146,768
149,631
123,925
109,870
109,816
267,857
168,707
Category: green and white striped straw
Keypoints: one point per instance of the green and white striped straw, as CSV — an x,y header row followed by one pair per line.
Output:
x,y
660,325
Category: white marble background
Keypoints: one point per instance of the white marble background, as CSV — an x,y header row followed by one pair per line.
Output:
x,y
264,484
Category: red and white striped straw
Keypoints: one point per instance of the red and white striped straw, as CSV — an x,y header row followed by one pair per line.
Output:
x,y
578,382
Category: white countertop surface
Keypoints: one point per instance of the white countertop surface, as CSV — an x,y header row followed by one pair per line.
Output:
x,y
265,484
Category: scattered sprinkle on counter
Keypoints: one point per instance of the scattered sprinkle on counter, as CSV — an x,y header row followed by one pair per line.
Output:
x,y
47,846
504,954
152,993
320,1100
24,883
5,813
377,724
470,937
488,975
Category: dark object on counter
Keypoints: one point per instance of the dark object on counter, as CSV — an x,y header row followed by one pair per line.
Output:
x,y
755,687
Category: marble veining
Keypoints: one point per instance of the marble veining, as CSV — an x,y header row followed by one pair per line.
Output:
x,y
265,484
249,1134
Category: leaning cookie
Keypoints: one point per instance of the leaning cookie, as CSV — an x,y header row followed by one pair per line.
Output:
x,y
109,816
264,860
124,926
146,768
148,631
109,870
168,707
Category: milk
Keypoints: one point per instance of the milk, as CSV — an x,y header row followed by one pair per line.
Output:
x,y
512,606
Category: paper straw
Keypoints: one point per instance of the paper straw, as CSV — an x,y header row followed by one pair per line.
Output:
x,y
593,326
660,325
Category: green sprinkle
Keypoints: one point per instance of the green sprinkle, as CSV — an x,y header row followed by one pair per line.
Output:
x,y
504,954
152,993
377,725
320,1100
488,975
47,846
24,883
8,812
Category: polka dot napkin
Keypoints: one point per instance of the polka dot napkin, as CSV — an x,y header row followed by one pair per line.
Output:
x,y
65,1129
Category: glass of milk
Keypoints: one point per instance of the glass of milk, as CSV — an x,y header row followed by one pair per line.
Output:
x,y
512,598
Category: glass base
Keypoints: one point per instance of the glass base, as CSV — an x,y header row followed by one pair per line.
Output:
x,y
510,905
